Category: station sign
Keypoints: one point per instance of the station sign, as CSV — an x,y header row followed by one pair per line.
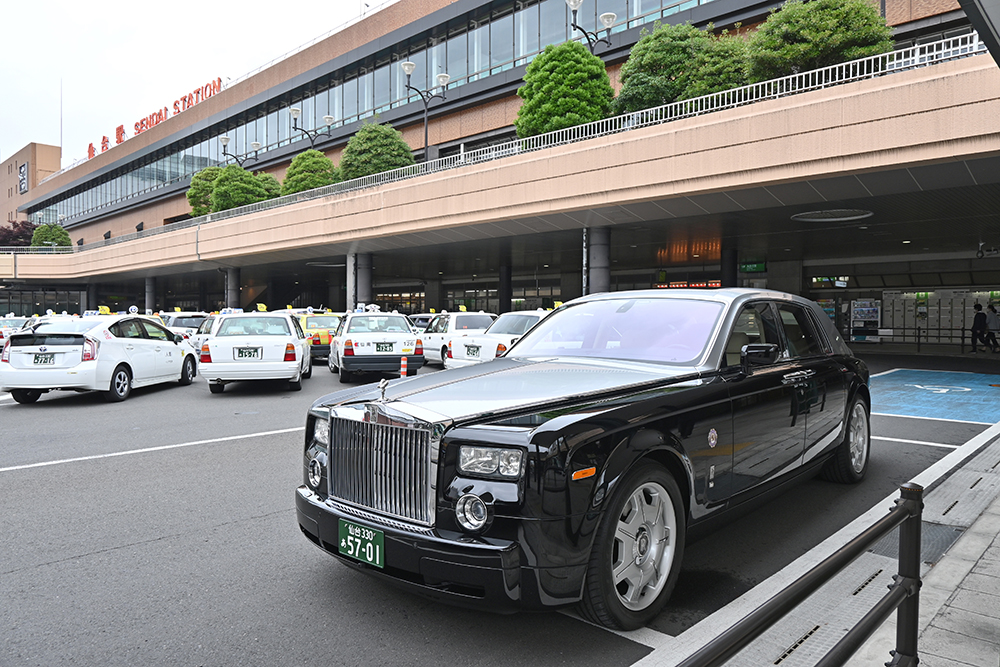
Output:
x,y
753,267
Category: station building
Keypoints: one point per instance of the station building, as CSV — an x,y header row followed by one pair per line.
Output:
x,y
884,188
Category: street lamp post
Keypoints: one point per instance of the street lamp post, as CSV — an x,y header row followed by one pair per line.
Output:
x,y
312,134
426,95
607,19
255,145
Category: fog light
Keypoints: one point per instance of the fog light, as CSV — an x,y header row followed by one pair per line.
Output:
x,y
471,512
316,466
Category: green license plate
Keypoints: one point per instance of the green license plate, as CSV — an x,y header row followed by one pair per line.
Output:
x,y
45,359
246,353
383,347
472,350
364,544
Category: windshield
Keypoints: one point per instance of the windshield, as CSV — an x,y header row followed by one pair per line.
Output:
x,y
254,326
472,321
513,324
672,331
12,321
190,322
379,323
322,322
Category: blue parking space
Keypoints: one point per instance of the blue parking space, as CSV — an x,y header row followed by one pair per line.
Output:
x,y
973,397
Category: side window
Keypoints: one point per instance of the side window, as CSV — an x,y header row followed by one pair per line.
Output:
x,y
298,328
156,332
127,329
799,331
755,324
206,326
432,327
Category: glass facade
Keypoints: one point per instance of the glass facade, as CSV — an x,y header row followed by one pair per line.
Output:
x,y
495,38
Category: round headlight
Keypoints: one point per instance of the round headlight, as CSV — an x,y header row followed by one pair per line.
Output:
x,y
316,466
471,512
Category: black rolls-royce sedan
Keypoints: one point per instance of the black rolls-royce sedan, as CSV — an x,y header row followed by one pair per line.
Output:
x,y
571,469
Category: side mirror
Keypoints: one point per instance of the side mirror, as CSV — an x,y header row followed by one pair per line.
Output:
x,y
758,354
178,338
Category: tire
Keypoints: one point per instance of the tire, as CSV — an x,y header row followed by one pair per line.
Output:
x,y
296,383
648,506
444,354
410,372
309,370
25,396
216,387
850,462
188,371
345,375
121,385
329,362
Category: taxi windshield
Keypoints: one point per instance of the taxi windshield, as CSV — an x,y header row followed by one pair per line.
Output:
x,y
378,324
322,322
254,326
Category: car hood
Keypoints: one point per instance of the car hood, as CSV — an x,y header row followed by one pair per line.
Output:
x,y
508,385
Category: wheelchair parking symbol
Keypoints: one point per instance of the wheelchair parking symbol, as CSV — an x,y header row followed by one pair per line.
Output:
x,y
939,389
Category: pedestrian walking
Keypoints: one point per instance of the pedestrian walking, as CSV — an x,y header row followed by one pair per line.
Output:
x,y
993,327
979,330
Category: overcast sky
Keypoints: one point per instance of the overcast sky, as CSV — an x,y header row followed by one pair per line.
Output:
x,y
118,61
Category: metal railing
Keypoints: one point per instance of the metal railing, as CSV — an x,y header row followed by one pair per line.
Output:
x,y
36,250
904,594
855,70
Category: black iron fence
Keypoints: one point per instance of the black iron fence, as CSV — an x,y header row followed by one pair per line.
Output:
x,y
903,595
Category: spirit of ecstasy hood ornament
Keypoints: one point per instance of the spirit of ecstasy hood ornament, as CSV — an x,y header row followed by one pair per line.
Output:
x,y
382,385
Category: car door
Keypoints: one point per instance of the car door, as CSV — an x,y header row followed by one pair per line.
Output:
x,y
303,354
139,350
822,385
169,355
769,424
434,338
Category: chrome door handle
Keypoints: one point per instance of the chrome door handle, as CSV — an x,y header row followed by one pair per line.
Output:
x,y
797,377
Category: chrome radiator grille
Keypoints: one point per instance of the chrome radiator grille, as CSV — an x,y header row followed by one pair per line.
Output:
x,y
383,468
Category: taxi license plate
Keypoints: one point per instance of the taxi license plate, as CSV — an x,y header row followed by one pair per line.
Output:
x,y
45,359
246,353
472,350
364,544
383,347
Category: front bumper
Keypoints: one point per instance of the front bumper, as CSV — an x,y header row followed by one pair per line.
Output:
x,y
382,363
449,567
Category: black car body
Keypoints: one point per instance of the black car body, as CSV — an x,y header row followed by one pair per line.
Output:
x,y
571,469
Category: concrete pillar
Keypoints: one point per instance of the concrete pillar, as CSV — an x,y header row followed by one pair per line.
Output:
x,y
786,277
232,288
729,270
335,299
599,260
150,294
91,298
433,296
359,279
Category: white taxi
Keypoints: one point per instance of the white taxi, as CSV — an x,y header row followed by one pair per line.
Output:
x,y
495,341
9,324
255,346
446,326
108,353
374,342
185,323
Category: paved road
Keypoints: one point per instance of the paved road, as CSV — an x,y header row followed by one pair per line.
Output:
x,y
162,531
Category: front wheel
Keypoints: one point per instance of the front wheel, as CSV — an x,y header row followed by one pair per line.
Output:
x,y
188,371
637,553
121,385
25,396
850,462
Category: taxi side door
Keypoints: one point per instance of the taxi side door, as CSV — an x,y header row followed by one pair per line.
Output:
x,y
169,355
138,349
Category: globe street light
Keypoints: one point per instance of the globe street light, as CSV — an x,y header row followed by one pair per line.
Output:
x,y
426,95
607,19
312,134
255,145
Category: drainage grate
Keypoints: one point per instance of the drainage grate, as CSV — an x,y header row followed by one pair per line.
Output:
x,y
867,581
935,539
791,649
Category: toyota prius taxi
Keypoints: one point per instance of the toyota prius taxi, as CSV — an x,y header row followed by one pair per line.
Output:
x,y
110,354
255,346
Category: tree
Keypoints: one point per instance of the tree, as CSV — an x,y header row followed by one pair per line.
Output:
x,y
309,169
234,187
660,67
49,234
564,86
199,194
270,183
18,234
720,64
803,36
373,149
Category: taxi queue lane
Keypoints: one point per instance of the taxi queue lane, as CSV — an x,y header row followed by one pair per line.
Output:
x,y
162,529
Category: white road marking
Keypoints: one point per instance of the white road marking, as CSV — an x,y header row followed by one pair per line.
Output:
x,y
916,442
933,419
212,441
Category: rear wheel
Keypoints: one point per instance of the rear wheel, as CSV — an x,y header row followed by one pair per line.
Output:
x,y
444,355
121,385
216,387
309,369
850,462
410,372
188,371
296,383
637,553
331,364
25,396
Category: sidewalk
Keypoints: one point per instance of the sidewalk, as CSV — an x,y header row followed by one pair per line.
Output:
x,y
959,605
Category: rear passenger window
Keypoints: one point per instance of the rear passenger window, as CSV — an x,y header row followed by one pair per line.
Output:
x,y
799,332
